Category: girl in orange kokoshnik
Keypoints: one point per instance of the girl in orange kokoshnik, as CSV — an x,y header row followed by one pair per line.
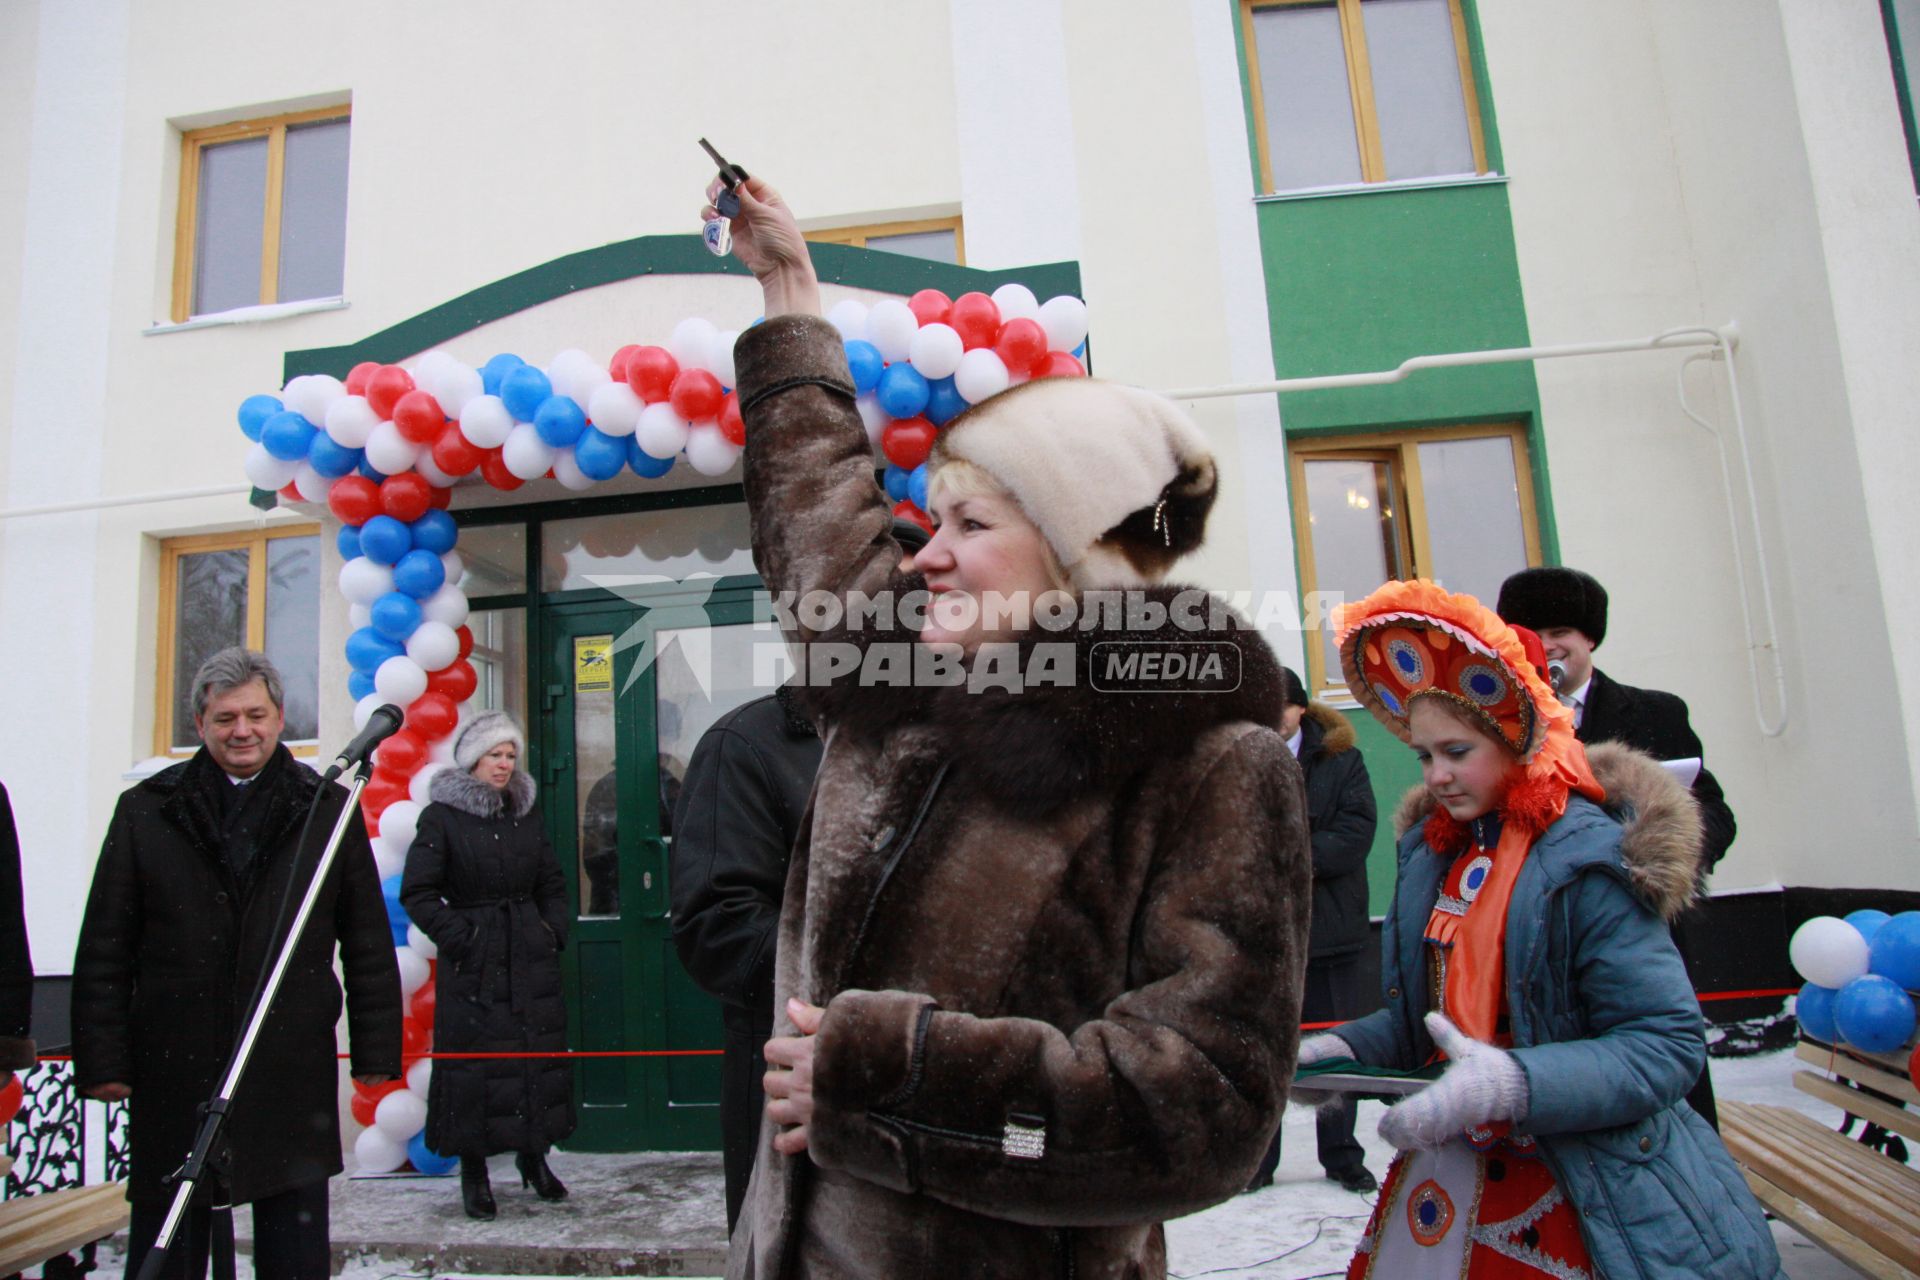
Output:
x,y
1526,947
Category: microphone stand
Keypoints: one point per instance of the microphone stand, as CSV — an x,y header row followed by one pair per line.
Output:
x,y
187,1177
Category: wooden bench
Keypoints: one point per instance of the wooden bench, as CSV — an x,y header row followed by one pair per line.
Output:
x,y
1859,1205
38,1227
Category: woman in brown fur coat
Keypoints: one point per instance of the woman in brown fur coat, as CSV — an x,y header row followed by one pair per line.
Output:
x,y
1040,958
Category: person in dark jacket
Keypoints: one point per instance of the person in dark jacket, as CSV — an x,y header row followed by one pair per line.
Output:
x,y
176,937
1569,610
16,958
1341,817
483,883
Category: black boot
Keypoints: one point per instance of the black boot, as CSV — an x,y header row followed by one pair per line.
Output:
x,y
534,1173
475,1193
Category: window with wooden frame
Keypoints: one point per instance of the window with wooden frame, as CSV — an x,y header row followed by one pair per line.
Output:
x,y
1357,91
260,589
935,239
1454,504
263,212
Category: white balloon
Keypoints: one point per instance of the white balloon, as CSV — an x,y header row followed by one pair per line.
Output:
x,y
723,356
400,822
420,791
417,939
873,417
525,453
1828,952
709,452
849,316
375,1152
387,863
452,565
350,420
447,606
981,374
413,973
362,581
936,350
1065,320
662,433
389,452
433,645
429,369
1016,302
400,1115
399,681
566,469
574,374
358,616
441,752
363,711
388,850
614,408
310,484
312,395
267,471
430,469
420,1074
890,327
486,423
459,387
692,342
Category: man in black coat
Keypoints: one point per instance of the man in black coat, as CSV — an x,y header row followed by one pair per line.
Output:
x,y
1569,610
16,959
1341,817
175,938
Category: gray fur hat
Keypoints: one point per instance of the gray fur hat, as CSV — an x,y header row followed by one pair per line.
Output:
x,y
482,734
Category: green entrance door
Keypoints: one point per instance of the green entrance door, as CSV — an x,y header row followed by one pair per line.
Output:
x,y
628,687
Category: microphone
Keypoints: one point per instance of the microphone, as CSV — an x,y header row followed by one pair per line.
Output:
x,y
1556,675
381,725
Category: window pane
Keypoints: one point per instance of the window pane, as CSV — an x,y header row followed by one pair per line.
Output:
x,y
674,543
231,208
210,613
1473,514
1351,511
499,658
1307,96
596,778
935,246
495,559
293,630
688,702
313,212
1906,20
1416,88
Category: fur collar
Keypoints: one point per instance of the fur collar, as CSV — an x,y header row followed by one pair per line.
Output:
x,y
1660,843
461,790
1336,731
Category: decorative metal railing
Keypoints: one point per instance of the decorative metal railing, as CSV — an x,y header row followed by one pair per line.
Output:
x,y
60,1139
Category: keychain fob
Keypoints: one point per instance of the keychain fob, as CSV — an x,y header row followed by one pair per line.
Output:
x,y
718,237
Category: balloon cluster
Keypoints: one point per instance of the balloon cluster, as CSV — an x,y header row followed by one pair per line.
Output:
x,y
1860,974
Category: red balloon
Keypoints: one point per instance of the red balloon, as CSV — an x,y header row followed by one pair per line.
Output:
x,y
357,379
432,716
976,318
454,454
421,1006
1022,344
290,490
441,498
406,497
618,365
385,387
1913,1067
381,792
11,1096
732,426
418,416
355,499
930,306
904,510
362,1108
650,372
493,469
457,681
401,754
695,395
1059,364
907,442
414,1039
466,638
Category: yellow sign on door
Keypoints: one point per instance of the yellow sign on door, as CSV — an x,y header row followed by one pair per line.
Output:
x,y
592,664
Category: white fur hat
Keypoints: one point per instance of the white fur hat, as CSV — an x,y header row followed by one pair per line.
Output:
x,y
1118,480
482,734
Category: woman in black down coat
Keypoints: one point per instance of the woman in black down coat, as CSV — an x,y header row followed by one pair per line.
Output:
x,y
484,884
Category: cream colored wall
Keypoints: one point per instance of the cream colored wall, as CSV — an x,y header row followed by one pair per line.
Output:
x,y
1660,176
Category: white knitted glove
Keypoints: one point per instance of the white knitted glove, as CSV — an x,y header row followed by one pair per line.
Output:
x,y
1318,1049
1483,1084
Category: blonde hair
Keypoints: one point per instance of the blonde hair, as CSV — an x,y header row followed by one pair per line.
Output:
x,y
957,478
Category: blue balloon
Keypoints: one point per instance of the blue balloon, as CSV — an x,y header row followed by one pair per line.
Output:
x,y
599,455
395,615
896,483
254,412
428,1161
917,486
329,459
1894,951
287,435
644,464
348,540
390,890
366,469
1080,352
435,531
865,363
558,419
903,392
367,649
943,403
1868,921
1874,1014
359,684
495,371
1814,1008
384,540
524,390
419,573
